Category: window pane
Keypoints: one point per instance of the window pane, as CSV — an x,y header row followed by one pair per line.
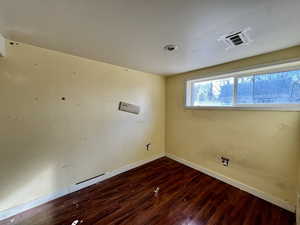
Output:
x,y
245,90
275,88
212,93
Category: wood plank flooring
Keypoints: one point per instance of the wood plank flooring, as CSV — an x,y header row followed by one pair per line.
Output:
x,y
185,197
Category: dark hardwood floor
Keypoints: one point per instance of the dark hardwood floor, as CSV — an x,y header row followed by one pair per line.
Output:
x,y
185,197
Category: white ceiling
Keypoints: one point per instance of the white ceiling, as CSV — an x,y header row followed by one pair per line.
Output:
x,y
132,33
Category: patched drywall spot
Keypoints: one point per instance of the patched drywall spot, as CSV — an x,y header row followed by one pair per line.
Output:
x,y
283,126
7,75
16,78
65,166
15,118
83,139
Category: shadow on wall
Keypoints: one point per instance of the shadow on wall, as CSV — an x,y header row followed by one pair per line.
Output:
x,y
42,140
40,156
29,150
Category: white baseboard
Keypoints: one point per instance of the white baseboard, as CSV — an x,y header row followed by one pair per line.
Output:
x,y
258,193
21,208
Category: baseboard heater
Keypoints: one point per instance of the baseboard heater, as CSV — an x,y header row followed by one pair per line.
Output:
x,y
90,178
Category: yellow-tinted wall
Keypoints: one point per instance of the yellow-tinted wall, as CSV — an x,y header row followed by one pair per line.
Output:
x,y
47,143
262,145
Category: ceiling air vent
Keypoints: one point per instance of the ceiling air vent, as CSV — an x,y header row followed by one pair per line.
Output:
x,y
236,39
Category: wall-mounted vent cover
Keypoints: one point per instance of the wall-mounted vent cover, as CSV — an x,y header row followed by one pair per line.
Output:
x,y
236,39
126,107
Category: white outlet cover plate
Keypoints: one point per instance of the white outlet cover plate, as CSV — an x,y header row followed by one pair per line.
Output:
x,y
2,45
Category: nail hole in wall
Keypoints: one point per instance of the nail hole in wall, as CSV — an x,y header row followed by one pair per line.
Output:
x,y
63,98
13,43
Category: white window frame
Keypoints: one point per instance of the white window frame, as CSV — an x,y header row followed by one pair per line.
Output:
x,y
283,66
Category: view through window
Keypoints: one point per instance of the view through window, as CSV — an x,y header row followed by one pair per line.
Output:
x,y
271,89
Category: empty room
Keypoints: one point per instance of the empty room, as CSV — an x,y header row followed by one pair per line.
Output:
x,y
150,112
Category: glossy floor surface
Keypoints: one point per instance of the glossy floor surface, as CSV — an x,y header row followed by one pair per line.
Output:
x,y
162,192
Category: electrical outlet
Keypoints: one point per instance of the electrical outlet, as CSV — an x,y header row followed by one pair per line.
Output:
x,y
225,161
148,146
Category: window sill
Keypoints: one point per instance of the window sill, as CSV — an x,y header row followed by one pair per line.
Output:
x,y
249,108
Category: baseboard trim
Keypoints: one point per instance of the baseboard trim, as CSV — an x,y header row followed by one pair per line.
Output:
x,y
258,193
21,208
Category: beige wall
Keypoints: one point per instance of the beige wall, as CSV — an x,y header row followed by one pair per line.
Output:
x,y
47,144
262,145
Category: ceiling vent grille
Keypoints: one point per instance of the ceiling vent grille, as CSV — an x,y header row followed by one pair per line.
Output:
x,y
236,39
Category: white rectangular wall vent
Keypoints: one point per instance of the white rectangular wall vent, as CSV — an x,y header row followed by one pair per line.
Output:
x,y
236,39
130,108
2,46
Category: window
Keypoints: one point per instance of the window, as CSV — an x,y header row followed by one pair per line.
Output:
x,y
275,88
246,89
213,93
